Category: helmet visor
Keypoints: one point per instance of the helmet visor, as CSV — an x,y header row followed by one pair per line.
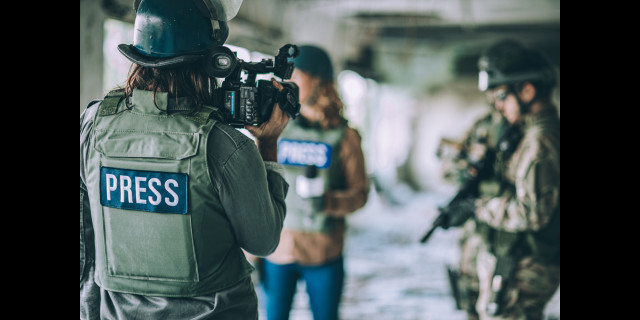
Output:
x,y
223,10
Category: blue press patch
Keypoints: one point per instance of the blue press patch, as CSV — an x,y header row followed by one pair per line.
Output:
x,y
162,192
303,153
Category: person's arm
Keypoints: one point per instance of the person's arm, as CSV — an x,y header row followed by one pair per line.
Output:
x,y
267,134
89,290
530,204
253,193
253,189
339,203
87,250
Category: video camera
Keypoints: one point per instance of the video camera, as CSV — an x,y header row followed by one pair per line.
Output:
x,y
251,103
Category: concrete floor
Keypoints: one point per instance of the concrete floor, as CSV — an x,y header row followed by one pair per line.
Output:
x,y
389,273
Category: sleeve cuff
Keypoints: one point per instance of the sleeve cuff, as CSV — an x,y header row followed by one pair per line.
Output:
x,y
274,166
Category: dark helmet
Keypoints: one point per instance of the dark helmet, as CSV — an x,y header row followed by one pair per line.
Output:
x,y
508,62
314,60
173,32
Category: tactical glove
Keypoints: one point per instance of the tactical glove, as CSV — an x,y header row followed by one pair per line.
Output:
x,y
457,213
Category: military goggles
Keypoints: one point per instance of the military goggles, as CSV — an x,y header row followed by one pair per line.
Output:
x,y
498,95
495,95
501,95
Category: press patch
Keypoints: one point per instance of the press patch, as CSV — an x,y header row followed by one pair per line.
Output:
x,y
303,153
162,192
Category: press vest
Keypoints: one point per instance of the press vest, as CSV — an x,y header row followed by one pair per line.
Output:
x,y
298,147
153,203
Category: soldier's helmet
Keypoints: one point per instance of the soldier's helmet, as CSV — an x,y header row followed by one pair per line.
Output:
x,y
168,33
509,62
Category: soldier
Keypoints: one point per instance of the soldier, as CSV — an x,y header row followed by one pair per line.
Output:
x,y
170,194
518,262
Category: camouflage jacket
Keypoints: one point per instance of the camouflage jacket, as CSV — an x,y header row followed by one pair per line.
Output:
x,y
534,172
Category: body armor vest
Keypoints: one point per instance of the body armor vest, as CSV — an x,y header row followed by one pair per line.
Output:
x,y
298,147
158,228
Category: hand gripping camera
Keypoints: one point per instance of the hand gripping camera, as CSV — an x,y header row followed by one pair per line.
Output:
x,y
251,103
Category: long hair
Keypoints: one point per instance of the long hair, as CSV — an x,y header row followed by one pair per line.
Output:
x,y
185,81
326,98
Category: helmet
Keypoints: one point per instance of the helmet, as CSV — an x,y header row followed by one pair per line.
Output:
x,y
169,32
508,62
314,60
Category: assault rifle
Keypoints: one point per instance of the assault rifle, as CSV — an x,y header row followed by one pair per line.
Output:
x,y
451,214
460,208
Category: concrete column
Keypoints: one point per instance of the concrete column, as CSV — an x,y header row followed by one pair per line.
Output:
x,y
92,20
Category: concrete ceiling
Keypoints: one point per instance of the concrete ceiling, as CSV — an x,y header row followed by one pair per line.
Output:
x,y
404,13
395,12
354,30
377,18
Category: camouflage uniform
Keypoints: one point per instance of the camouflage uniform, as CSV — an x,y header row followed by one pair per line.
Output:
x,y
483,134
480,138
523,222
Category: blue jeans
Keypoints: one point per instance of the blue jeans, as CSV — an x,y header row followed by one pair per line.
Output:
x,y
324,287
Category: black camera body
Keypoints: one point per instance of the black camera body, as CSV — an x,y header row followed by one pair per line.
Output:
x,y
251,102
253,105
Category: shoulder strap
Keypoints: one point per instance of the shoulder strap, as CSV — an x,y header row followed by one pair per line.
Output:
x,y
89,113
110,102
202,116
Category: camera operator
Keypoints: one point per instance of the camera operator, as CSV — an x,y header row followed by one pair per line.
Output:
x,y
325,168
171,192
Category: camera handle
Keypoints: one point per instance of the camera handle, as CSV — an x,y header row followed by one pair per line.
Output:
x,y
283,67
252,68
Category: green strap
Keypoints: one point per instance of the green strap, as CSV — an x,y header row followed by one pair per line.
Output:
x,y
203,115
109,105
111,101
